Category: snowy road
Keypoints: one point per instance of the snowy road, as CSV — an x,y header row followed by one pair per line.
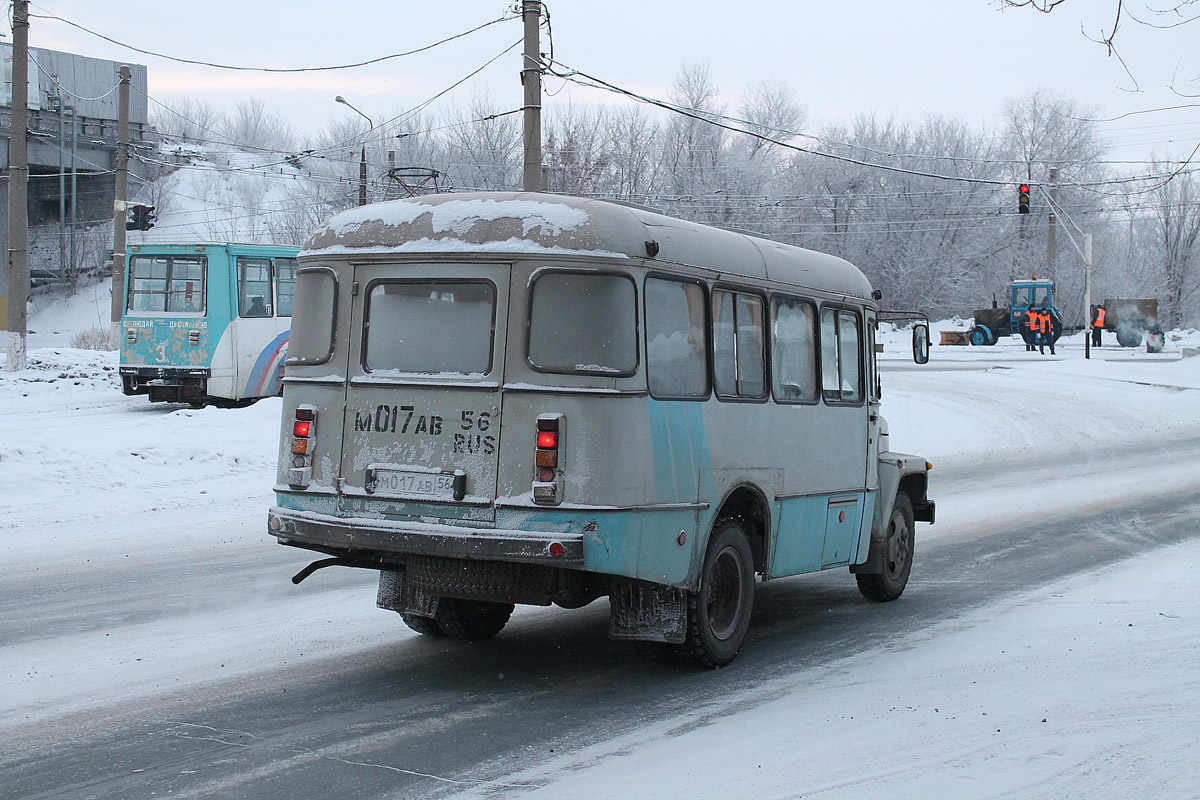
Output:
x,y
163,652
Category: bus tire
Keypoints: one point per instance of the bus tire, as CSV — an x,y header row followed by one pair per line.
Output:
x,y
426,626
718,614
472,619
897,559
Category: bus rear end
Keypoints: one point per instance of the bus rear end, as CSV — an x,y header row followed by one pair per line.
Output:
x,y
206,323
168,335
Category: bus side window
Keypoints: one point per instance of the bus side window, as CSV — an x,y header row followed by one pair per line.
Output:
x,y
738,345
676,339
254,287
841,356
285,286
794,350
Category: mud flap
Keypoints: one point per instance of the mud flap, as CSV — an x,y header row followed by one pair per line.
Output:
x,y
647,612
397,594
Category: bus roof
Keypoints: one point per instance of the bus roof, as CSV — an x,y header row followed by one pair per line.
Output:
x,y
545,224
174,247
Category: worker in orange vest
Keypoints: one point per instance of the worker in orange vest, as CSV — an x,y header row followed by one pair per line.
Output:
x,y
1030,332
1044,328
1098,314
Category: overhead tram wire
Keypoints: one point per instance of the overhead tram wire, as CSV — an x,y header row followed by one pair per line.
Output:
x,y
590,81
385,127
240,68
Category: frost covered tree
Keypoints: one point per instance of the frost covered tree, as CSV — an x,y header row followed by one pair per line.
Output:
x,y
1171,243
483,150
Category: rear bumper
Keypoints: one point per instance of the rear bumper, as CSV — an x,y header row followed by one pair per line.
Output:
x,y
165,384
389,541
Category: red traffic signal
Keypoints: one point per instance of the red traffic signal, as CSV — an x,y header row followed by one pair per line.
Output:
x,y
1023,199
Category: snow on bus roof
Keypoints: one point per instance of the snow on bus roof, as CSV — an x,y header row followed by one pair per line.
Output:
x,y
543,224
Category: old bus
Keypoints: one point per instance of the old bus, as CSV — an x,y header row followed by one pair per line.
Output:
x,y
499,398
206,323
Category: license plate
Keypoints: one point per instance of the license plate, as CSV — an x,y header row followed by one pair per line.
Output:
x,y
409,483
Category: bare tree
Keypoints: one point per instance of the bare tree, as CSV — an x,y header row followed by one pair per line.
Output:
x,y
1174,210
575,152
694,148
253,125
483,150
633,141
188,119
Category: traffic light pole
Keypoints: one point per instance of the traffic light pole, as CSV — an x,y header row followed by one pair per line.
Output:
x,y
1086,254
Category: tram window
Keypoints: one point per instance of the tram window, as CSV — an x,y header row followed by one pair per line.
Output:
x,y
285,286
583,323
676,340
311,339
167,283
254,287
841,356
794,350
738,345
430,327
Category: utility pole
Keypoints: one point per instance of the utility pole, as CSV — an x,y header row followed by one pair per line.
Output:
x,y
1087,295
74,185
120,196
62,183
18,193
531,79
1051,253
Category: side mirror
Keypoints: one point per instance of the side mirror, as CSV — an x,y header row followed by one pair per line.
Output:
x,y
920,343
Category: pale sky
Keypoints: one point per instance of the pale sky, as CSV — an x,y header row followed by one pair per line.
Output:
x,y
953,58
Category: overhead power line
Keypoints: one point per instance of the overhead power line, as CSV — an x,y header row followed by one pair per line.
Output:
x,y
714,119
240,68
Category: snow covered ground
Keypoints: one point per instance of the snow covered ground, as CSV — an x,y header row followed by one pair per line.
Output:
x,y
1087,688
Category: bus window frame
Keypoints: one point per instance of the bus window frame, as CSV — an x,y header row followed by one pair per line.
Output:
x,y
706,331
170,258
816,343
365,369
293,360
541,272
735,290
240,283
276,281
863,389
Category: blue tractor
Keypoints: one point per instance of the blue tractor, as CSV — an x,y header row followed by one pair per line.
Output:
x,y
992,323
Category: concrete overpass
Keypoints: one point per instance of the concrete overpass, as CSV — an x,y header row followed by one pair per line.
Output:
x,y
72,154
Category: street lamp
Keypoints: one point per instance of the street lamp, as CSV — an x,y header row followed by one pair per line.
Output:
x,y
362,164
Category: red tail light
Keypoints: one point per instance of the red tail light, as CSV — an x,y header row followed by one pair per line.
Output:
x,y
303,429
547,476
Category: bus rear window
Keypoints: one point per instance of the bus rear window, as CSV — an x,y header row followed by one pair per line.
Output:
x,y
311,338
583,323
430,327
167,283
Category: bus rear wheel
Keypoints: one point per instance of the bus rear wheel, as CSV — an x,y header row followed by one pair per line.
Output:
x,y
472,619
426,626
898,542
718,614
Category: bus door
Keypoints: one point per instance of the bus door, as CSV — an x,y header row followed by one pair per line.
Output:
x,y
844,400
421,435
259,335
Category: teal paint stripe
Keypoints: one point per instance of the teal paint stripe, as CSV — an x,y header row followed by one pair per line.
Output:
x,y
660,449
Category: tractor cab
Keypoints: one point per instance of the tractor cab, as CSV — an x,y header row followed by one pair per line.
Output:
x,y
993,323
1033,293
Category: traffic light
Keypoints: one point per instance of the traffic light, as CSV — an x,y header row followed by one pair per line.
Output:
x,y
1023,199
143,218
